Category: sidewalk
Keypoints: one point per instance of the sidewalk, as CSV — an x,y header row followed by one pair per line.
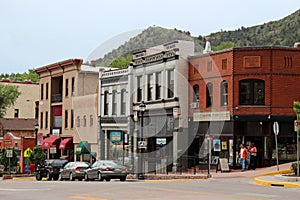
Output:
x,y
268,176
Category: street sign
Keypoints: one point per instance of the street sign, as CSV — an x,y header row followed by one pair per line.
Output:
x,y
142,144
276,128
9,153
27,153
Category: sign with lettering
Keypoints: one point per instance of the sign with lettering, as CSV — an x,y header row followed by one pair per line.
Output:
x,y
223,165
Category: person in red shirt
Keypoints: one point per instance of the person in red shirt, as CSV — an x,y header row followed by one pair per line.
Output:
x,y
32,168
253,154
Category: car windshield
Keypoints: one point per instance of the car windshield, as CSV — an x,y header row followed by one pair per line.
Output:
x,y
110,163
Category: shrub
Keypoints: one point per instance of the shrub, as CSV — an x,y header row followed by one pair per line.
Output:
x,y
294,167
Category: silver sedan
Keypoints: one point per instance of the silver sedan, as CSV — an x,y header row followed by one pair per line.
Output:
x,y
105,170
73,170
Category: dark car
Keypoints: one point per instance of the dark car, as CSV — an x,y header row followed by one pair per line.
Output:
x,y
50,169
105,169
73,170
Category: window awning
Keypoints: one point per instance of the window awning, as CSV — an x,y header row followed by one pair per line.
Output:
x,y
50,142
66,143
83,148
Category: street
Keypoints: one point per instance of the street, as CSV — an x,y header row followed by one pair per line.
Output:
x,y
215,188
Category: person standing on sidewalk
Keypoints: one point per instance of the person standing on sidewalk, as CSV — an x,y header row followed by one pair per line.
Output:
x,y
253,153
243,156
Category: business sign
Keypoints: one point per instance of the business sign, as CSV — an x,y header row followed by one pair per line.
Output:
x,y
116,136
212,116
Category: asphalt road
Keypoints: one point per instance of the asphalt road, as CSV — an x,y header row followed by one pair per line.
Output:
x,y
215,188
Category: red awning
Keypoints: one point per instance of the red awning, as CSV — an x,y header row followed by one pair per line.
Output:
x,y
66,143
50,142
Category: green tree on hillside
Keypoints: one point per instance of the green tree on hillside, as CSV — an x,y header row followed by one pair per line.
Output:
x,y
8,96
223,45
30,76
121,62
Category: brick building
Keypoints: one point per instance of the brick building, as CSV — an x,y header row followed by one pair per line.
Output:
x,y
238,94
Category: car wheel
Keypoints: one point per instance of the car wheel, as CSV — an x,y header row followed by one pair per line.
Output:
x,y
86,178
107,179
71,177
100,177
38,177
48,176
55,177
123,179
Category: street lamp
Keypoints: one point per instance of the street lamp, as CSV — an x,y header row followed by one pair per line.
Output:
x,y
36,128
142,108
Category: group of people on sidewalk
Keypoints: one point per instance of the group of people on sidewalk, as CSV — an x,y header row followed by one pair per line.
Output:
x,y
246,154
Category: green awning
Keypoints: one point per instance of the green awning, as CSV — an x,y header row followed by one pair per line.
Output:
x,y
94,154
83,148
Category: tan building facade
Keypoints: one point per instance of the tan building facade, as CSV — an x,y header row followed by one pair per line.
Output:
x,y
68,109
26,105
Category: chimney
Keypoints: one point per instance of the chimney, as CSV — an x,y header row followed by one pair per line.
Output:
x,y
93,63
297,45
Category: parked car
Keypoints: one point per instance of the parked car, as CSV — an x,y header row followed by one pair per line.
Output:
x,y
73,170
106,169
50,169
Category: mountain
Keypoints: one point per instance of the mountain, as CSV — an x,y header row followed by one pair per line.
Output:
x,y
283,32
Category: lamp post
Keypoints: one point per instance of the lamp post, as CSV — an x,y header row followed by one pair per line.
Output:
x,y
142,108
36,128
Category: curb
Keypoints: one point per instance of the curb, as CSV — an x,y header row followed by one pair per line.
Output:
x,y
275,183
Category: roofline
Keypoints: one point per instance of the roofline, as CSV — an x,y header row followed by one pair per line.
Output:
x,y
61,64
250,48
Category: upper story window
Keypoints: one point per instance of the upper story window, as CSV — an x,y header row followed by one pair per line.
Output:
x,y
123,101
252,92
78,121
67,88
170,83
224,64
16,115
114,106
42,120
73,85
209,94
72,118
47,90
66,119
91,120
84,121
139,89
224,93
46,120
196,93
42,91
106,103
150,87
158,86
209,66
288,61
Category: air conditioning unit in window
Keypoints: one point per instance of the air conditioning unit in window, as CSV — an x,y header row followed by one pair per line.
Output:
x,y
194,105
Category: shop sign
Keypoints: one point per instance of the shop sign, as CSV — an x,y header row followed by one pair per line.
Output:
x,y
116,136
212,116
53,150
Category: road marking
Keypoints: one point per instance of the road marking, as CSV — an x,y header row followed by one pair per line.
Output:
x,y
86,198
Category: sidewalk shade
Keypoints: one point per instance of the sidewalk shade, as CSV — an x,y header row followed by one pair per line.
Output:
x,y
66,143
50,142
83,148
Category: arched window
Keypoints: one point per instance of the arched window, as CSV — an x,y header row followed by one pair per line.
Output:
x,y
209,94
224,93
196,93
252,92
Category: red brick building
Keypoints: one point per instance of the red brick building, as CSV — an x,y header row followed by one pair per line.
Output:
x,y
238,94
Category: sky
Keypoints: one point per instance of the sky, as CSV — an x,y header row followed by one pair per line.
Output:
x,y
36,33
